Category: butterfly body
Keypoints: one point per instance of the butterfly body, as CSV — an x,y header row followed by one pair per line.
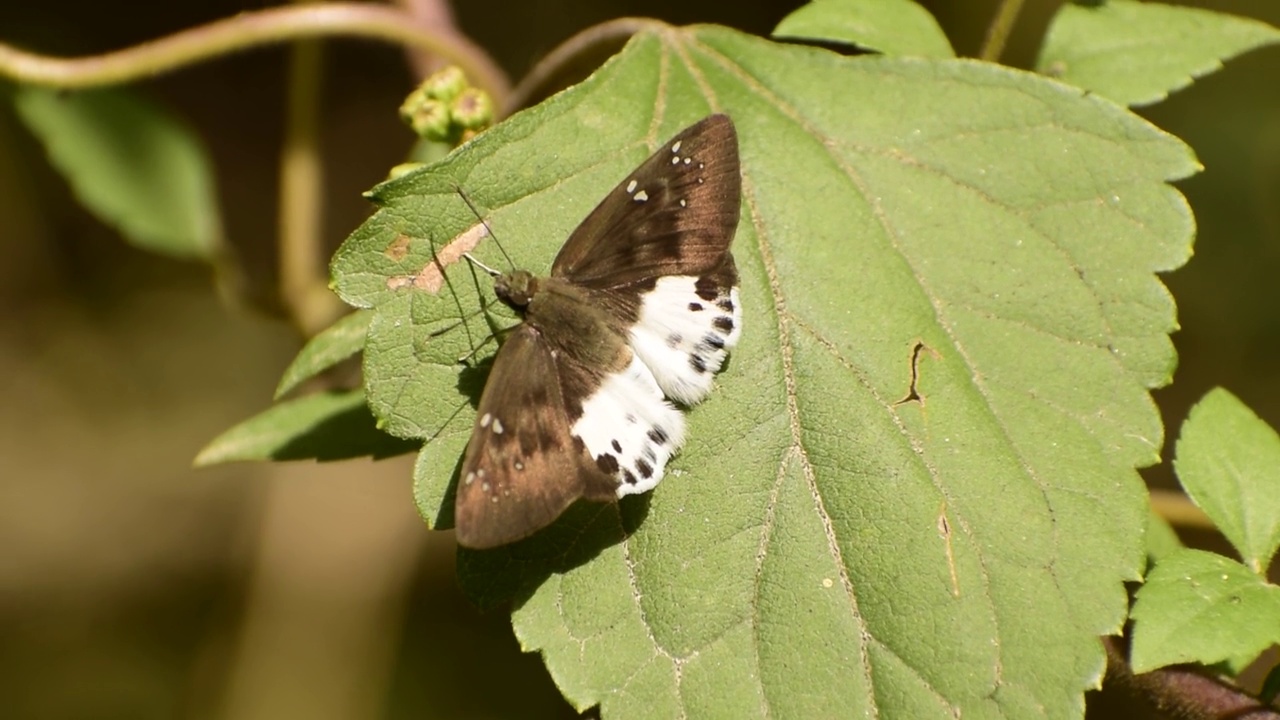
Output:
x,y
641,305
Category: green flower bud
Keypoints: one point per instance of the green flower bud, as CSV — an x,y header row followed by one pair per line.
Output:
x,y
472,110
445,84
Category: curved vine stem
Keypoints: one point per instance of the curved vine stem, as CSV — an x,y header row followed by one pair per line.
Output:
x,y
564,54
998,33
303,288
251,29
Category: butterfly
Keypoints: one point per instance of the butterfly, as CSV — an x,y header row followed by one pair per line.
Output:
x,y
641,306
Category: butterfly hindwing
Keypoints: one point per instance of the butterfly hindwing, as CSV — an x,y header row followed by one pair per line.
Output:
x,y
685,328
674,215
554,425
521,468
629,429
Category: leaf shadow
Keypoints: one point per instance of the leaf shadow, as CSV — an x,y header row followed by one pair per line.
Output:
x,y
345,435
513,573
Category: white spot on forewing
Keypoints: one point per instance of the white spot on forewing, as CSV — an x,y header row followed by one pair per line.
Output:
x,y
632,392
704,342
641,196
675,160
631,187
484,420
675,146
497,426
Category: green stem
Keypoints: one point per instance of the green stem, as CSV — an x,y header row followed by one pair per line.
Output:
x,y
251,29
559,60
303,287
998,33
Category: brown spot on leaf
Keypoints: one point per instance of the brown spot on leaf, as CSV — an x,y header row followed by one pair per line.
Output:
x,y
398,248
430,278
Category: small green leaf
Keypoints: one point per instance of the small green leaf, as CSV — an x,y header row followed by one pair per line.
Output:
x,y
328,348
131,163
324,426
892,27
1201,607
1228,460
1136,53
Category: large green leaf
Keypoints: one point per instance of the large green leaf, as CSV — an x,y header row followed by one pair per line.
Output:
x,y
131,163
1197,606
912,494
1136,53
1228,461
893,27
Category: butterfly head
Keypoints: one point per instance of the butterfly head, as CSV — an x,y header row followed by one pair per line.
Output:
x,y
516,289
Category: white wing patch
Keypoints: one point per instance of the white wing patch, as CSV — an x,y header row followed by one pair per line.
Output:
x,y
629,428
683,337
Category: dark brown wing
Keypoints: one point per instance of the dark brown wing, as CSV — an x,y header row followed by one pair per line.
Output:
x,y
674,215
523,466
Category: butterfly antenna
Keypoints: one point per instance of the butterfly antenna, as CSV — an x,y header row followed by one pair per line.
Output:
x,y
489,230
482,266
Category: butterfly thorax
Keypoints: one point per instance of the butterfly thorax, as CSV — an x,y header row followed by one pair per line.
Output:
x,y
567,316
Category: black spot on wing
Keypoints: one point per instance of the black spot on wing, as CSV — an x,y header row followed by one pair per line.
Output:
x,y
658,435
726,305
646,470
617,446
713,341
723,324
674,340
628,477
698,363
607,463
695,307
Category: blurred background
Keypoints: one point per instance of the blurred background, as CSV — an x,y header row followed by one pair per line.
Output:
x,y
132,586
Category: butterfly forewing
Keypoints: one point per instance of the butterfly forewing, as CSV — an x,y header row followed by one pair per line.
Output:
x,y
522,468
642,305
674,215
